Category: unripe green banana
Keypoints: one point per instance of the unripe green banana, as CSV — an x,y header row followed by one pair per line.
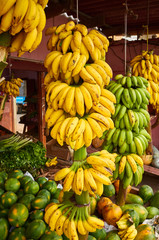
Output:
x,y
143,106
134,81
139,146
146,93
118,94
121,112
128,82
122,124
111,84
145,122
110,134
132,95
118,86
117,123
123,81
144,98
138,97
145,133
127,105
145,81
145,140
116,136
143,143
129,136
146,114
127,181
133,147
127,148
140,82
118,76
127,122
118,158
122,137
141,121
136,177
117,109
123,148
128,169
127,95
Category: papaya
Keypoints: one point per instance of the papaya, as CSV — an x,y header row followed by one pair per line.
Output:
x,y
145,232
112,235
146,193
154,201
99,234
133,198
152,211
141,210
109,190
91,237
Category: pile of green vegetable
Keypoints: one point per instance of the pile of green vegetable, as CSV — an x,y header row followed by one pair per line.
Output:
x,y
17,152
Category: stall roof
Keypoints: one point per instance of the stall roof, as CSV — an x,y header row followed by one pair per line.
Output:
x,y
109,15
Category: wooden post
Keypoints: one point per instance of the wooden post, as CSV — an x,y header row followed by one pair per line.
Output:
x,y
41,107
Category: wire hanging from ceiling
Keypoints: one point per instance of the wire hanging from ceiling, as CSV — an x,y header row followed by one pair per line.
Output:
x,y
147,26
77,13
125,26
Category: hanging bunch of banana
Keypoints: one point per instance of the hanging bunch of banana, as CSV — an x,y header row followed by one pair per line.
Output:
x,y
75,37
25,20
129,137
71,220
147,66
129,169
11,87
79,106
79,109
88,175
131,116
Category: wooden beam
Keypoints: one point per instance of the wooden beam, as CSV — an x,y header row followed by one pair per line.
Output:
x,y
41,108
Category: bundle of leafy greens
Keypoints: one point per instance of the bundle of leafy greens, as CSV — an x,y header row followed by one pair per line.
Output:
x,y
27,157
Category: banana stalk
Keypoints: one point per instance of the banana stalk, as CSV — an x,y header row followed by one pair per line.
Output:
x,y
121,197
80,154
84,198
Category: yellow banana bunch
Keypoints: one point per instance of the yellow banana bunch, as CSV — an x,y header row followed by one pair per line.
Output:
x,y
66,218
82,176
81,97
20,17
126,227
76,38
11,87
147,66
75,131
153,89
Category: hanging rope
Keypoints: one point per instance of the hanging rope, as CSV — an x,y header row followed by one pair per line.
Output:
x,y
125,23
77,20
147,26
